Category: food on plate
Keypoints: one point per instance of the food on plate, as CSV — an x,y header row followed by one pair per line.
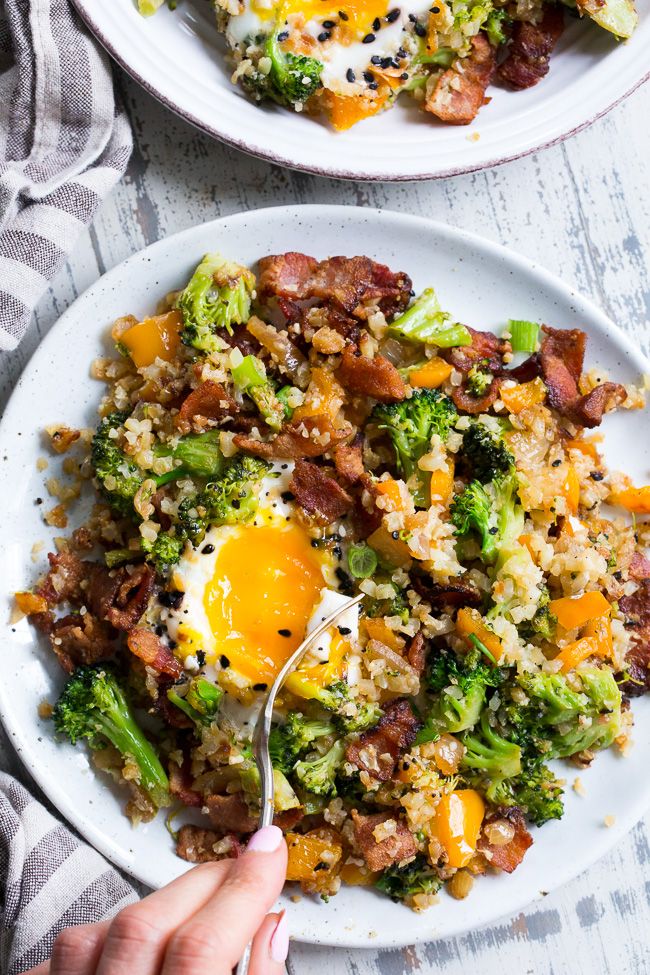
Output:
x,y
271,441
350,61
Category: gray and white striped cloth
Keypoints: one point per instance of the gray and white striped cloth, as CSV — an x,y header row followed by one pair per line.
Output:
x,y
64,144
49,880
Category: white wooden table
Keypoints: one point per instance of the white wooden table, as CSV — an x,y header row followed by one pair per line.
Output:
x,y
582,209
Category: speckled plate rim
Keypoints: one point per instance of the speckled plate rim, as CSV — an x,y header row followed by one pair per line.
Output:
x,y
392,926
569,129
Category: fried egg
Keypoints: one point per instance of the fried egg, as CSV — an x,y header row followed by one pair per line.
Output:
x,y
251,592
354,40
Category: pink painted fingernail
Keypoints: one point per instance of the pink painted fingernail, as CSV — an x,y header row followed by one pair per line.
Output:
x,y
279,946
265,840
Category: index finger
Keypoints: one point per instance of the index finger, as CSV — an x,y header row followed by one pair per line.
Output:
x,y
214,939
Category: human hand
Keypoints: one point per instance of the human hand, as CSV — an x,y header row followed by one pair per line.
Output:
x,y
198,924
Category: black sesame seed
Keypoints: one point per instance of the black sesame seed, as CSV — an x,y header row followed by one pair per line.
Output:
x,y
386,62
596,475
38,501
350,75
376,24
368,39
171,598
345,583
324,36
236,503
412,18
284,632
493,530
288,496
435,10
223,660
208,549
284,467
556,463
344,630
282,36
368,76
343,15
328,24
160,630
420,30
376,59
392,15
404,76
373,85
337,551
618,575
395,535
260,687
200,657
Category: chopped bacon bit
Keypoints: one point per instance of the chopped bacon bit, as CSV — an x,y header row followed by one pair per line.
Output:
x,y
396,848
231,814
348,460
291,443
63,582
196,845
319,494
370,377
529,369
209,401
639,567
62,438
486,350
346,281
636,609
460,91
243,340
77,639
377,751
148,647
466,401
509,856
417,652
180,783
562,357
529,53
120,597
446,594
366,520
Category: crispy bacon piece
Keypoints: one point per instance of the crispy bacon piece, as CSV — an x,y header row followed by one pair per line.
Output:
x,y
562,357
639,567
529,369
466,401
149,648
63,582
319,494
395,848
370,377
509,856
120,597
209,401
180,783
448,594
77,640
292,444
460,91
486,350
346,281
231,814
527,61
348,460
417,652
196,845
164,708
377,751
636,609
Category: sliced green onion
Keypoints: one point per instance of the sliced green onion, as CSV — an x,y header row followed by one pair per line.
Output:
x,y
523,335
362,561
481,646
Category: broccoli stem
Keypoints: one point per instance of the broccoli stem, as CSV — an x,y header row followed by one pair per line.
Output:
x,y
425,321
122,731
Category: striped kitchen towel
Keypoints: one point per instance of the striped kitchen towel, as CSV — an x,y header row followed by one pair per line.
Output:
x,y
64,144
49,880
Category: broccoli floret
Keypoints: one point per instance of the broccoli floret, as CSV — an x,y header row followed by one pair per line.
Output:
x,y
460,688
288,741
398,605
227,501
199,699
293,78
249,376
217,296
479,381
492,757
198,454
410,425
425,321
538,792
487,453
494,26
494,513
164,552
92,705
564,721
543,622
319,775
403,883
349,714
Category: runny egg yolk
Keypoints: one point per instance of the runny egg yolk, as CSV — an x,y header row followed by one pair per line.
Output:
x,y
261,597
358,14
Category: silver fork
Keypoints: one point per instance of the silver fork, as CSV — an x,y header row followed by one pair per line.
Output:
x,y
263,730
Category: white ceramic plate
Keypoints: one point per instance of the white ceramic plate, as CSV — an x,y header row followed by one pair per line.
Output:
x,y
481,283
179,57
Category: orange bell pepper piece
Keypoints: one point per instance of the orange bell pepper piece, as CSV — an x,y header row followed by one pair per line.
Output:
x,y
470,623
390,489
431,375
574,611
377,630
526,541
442,482
571,489
356,876
153,338
457,824
518,398
574,653
600,630
344,111
636,500
585,447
